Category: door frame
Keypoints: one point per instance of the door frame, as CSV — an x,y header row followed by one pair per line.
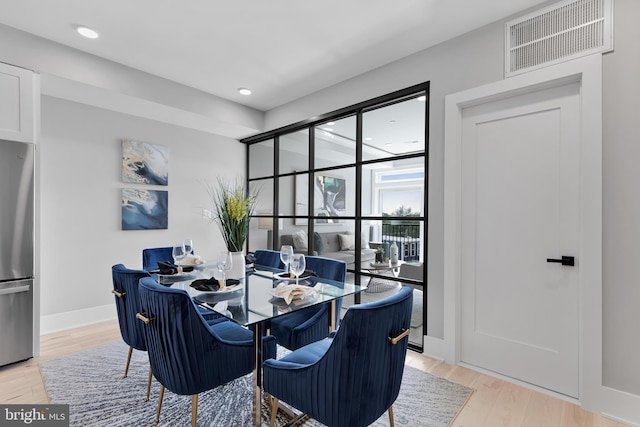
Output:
x,y
588,72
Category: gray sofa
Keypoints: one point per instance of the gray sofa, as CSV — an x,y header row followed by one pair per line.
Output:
x,y
331,248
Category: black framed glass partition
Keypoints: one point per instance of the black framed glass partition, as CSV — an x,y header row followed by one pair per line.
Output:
x,y
352,185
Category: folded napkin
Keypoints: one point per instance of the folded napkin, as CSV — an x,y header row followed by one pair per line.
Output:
x,y
213,284
290,292
167,268
191,260
305,274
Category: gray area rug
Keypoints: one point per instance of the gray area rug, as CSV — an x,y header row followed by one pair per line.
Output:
x,y
91,383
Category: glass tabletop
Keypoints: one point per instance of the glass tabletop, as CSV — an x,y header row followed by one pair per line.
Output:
x,y
253,300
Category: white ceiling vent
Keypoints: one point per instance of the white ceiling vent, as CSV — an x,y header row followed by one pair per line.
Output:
x,y
558,33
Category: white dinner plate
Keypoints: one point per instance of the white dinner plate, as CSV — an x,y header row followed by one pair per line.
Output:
x,y
166,279
311,292
283,307
224,290
286,278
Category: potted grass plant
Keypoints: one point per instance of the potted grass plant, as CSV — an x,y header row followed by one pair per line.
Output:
x,y
231,208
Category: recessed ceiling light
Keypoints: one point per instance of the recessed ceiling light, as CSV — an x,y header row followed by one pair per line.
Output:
x,y
388,144
331,123
328,129
244,91
422,98
87,32
368,139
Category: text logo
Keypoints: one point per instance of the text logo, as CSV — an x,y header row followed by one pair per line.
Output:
x,y
34,415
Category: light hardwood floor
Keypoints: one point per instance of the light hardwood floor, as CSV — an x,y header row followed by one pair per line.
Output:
x,y
494,403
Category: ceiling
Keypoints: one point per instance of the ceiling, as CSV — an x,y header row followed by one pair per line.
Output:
x,y
280,49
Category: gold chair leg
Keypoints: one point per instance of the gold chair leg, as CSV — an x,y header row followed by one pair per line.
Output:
x,y
194,410
149,385
159,404
390,410
126,369
274,409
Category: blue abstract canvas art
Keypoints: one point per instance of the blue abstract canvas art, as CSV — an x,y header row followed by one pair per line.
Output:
x,y
144,163
144,209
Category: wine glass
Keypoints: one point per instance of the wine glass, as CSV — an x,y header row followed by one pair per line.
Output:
x,y
188,246
178,253
298,265
225,263
286,252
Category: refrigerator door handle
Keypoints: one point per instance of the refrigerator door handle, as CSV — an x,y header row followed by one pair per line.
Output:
x,y
14,289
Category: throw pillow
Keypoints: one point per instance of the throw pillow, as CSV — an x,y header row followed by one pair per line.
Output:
x,y
300,240
347,242
318,242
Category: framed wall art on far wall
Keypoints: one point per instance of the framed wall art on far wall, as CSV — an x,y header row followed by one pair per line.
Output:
x,y
145,209
144,163
329,198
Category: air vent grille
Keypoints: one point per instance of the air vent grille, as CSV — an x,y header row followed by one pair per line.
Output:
x,y
564,31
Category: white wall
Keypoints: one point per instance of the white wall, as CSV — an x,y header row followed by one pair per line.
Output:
x,y
80,158
621,203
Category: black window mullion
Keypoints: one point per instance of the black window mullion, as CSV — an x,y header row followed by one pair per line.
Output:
x,y
358,222
312,165
276,193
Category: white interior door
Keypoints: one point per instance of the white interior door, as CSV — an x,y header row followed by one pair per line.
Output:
x,y
519,207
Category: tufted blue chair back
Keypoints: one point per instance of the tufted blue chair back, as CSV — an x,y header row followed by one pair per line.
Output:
x,y
300,328
125,282
151,256
327,268
268,258
187,356
331,269
354,377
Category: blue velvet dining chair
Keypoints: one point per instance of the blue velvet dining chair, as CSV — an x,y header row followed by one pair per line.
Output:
x,y
352,378
303,327
187,355
268,258
151,256
125,290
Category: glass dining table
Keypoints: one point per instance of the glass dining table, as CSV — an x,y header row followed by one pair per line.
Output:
x,y
253,303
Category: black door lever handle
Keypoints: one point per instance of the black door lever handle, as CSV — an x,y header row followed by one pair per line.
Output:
x,y
566,260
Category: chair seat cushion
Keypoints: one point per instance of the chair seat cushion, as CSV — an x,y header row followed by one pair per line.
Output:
x,y
215,320
230,331
310,353
235,334
282,327
208,314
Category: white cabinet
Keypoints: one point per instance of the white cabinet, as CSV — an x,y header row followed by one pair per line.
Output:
x,y
16,103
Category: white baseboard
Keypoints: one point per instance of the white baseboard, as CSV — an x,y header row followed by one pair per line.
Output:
x,y
623,405
433,348
73,319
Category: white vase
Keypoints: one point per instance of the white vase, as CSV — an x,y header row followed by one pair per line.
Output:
x,y
237,269
394,253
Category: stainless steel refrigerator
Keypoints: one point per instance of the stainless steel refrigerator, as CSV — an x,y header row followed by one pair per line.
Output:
x,y
16,251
